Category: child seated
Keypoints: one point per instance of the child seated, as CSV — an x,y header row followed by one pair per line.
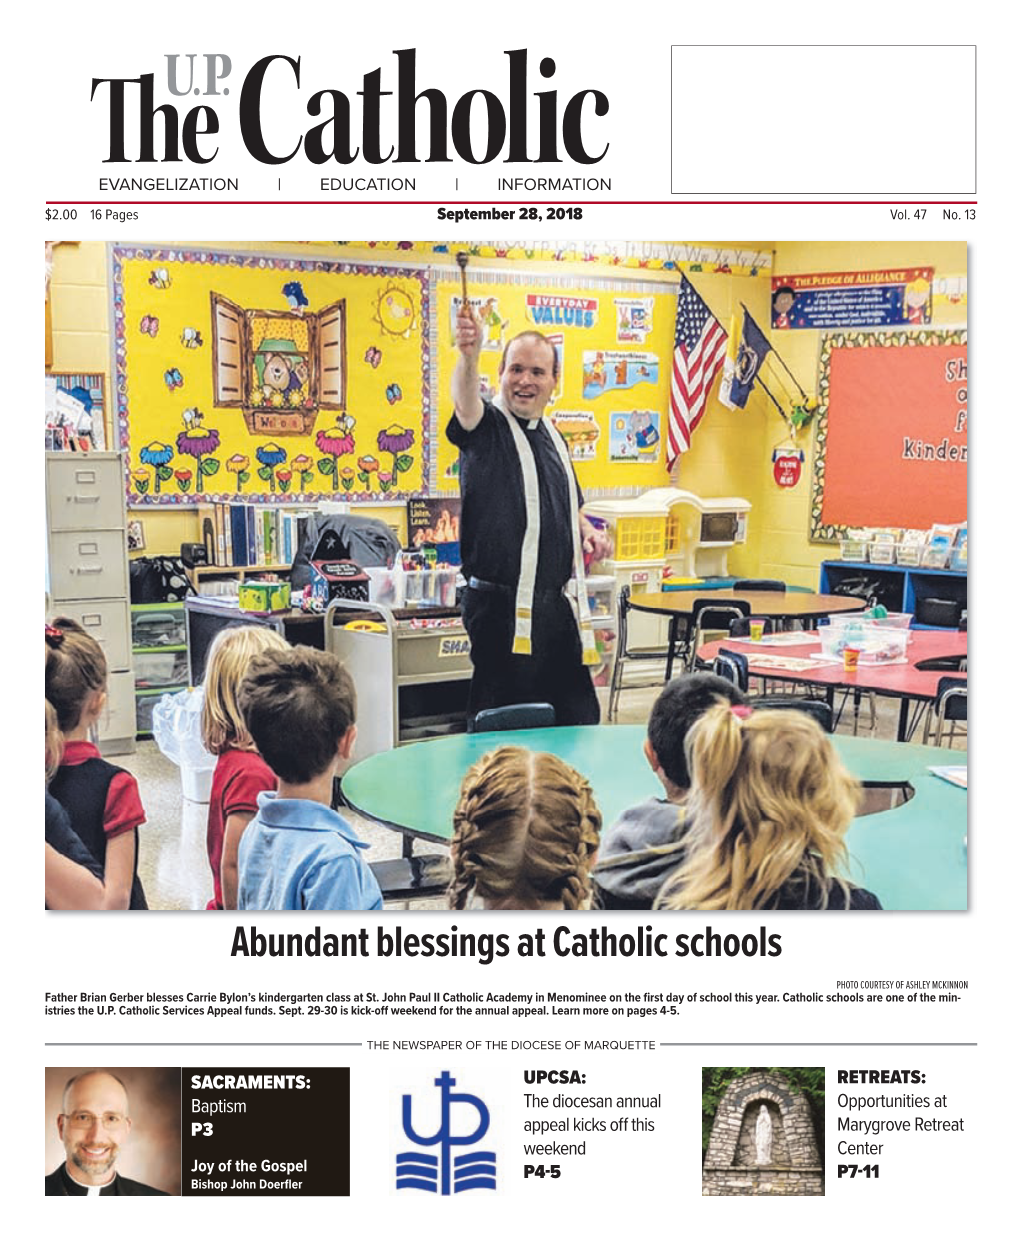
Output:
x,y
526,831
646,843
769,806
240,773
298,704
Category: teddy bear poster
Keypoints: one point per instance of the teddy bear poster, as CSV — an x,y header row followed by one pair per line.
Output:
x,y
268,378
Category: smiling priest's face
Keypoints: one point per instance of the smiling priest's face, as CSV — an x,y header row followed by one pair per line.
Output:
x,y
93,1126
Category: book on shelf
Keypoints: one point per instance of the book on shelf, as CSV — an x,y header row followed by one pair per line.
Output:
x,y
252,535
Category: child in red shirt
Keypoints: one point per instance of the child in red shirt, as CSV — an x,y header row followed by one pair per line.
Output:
x,y
240,773
101,799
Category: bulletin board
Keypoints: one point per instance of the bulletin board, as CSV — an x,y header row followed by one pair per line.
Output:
x,y
255,378
615,342
891,440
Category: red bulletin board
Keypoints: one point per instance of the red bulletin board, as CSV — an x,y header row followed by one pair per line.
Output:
x,y
891,444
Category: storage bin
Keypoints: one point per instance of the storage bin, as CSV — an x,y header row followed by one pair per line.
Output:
x,y
431,587
386,586
154,625
908,554
853,549
160,669
891,620
877,645
881,552
940,612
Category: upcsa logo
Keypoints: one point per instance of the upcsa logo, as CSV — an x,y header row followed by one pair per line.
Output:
x,y
443,1174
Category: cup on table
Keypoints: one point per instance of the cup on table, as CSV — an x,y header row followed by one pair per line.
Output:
x,y
757,629
851,657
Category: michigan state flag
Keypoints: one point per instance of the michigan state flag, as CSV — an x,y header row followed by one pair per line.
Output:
x,y
741,367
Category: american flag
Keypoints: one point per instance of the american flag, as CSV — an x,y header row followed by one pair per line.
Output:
x,y
699,349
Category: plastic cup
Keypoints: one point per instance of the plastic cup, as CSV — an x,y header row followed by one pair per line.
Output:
x,y
757,628
851,656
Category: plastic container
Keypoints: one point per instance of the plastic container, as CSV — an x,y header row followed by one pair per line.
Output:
x,y
431,587
853,549
908,554
177,728
158,624
386,586
876,644
891,620
881,552
158,669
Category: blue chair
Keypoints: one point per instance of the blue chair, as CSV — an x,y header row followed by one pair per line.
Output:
x,y
732,666
512,718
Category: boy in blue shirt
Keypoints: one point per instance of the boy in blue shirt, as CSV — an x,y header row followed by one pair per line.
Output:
x,y
299,705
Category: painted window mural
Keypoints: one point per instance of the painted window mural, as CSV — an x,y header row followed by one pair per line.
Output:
x,y
269,378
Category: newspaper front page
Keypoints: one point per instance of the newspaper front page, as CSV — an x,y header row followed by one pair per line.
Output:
x,y
356,291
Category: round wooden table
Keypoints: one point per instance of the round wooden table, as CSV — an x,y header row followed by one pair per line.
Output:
x,y
769,604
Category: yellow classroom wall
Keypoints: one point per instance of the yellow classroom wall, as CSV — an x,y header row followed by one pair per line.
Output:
x,y
781,516
731,451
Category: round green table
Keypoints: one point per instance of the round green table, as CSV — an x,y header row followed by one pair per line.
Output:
x,y
911,857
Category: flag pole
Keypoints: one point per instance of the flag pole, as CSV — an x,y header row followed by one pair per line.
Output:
x,y
779,358
782,411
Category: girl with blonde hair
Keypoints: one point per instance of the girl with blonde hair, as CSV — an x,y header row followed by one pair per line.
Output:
x,y
526,831
770,804
240,773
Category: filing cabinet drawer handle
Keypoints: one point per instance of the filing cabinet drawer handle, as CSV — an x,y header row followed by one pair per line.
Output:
x,y
83,499
84,569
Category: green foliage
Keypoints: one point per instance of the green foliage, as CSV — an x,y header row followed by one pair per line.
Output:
x,y
714,1083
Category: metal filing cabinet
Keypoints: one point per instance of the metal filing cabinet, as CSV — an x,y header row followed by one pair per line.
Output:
x,y
88,572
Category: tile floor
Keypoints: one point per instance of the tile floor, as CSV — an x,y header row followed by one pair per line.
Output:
x,y
173,864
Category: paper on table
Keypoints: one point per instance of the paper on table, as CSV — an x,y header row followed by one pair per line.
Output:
x,y
785,639
951,774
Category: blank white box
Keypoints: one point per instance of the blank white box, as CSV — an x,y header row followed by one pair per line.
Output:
x,y
801,119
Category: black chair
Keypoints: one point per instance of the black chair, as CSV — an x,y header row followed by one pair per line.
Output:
x,y
712,615
512,718
949,707
624,653
412,878
732,666
820,711
760,583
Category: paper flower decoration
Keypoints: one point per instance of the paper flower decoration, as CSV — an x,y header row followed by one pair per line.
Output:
x,y
396,440
269,456
199,443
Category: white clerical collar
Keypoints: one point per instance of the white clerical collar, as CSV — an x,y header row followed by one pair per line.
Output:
x,y
91,1190
530,423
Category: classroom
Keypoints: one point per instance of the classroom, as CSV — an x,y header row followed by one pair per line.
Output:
x,y
313,626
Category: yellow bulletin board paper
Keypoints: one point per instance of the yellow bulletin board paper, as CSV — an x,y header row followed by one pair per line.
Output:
x,y
583,321
259,378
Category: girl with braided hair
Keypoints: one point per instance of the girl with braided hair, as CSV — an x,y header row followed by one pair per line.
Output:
x,y
770,804
525,834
